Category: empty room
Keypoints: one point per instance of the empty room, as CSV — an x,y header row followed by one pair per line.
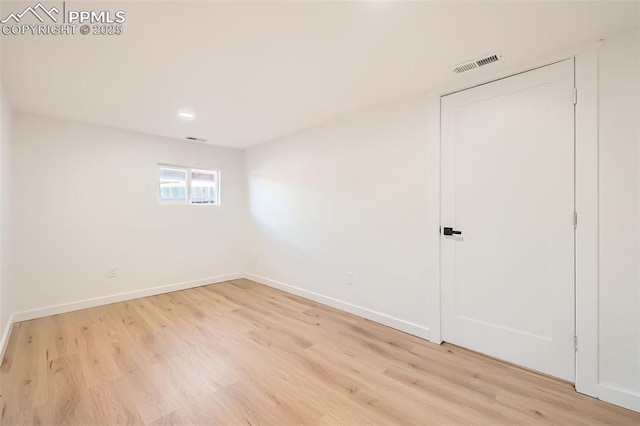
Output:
x,y
319,212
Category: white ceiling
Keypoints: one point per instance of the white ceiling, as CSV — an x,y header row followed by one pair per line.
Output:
x,y
255,71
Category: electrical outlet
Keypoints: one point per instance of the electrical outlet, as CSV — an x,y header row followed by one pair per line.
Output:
x,y
349,278
111,272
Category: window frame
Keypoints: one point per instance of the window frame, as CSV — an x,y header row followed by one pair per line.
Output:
x,y
188,170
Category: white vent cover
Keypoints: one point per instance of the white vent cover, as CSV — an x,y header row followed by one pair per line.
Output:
x,y
476,63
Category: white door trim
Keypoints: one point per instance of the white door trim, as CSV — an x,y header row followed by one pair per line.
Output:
x,y
586,149
587,238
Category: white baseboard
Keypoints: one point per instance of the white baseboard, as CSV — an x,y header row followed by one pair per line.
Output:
x,y
120,297
399,324
622,397
104,300
384,319
4,340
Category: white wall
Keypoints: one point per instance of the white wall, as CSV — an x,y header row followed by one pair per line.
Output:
x,y
84,199
619,220
350,196
360,194
5,208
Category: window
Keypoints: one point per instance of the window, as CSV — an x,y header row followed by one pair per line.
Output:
x,y
181,185
204,188
173,185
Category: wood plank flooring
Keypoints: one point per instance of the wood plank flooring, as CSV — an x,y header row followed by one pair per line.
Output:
x,y
242,353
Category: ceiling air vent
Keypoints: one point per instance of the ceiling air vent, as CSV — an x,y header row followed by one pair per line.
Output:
x,y
476,63
191,138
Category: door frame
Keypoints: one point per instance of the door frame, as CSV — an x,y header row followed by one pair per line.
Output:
x,y
586,202
587,238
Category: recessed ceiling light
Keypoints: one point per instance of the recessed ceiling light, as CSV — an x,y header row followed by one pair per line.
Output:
x,y
186,115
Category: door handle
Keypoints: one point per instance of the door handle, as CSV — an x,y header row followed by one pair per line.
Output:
x,y
450,231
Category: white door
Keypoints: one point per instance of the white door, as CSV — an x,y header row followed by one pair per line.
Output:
x,y
508,187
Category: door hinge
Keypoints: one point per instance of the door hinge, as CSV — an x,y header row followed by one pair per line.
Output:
x,y
575,343
575,96
575,220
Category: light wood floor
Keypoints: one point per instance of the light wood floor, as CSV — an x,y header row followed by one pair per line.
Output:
x,y
242,353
